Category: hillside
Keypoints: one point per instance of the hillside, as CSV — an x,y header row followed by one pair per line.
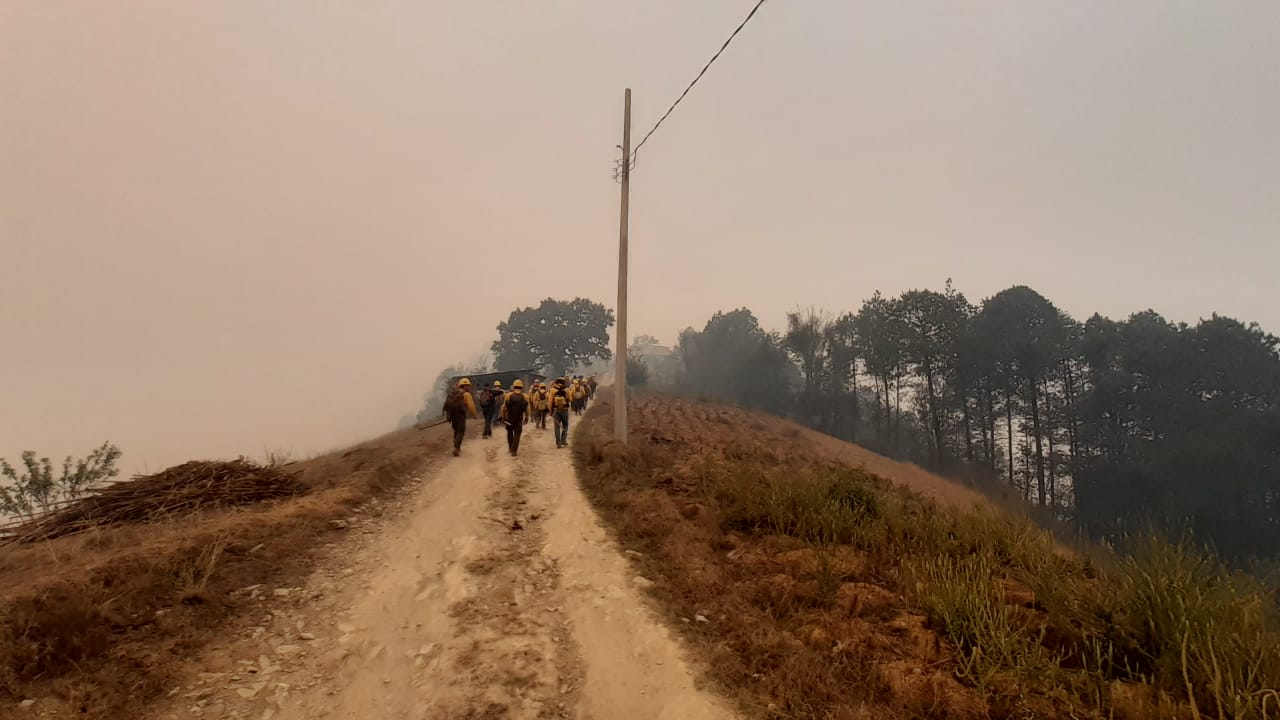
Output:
x,y
401,583
97,624
806,577
819,580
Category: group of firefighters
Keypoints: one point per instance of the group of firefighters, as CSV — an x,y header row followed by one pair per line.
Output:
x,y
515,408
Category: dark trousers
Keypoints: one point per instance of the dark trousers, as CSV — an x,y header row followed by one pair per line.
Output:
x,y
540,418
562,427
459,431
489,413
514,429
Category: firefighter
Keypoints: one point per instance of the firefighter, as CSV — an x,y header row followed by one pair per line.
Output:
x,y
490,398
560,402
591,387
578,394
458,406
538,402
515,414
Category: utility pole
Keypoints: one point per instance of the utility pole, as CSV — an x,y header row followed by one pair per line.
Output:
x,y
620,363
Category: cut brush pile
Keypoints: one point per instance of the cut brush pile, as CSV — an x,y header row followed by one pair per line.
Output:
x,y
180,490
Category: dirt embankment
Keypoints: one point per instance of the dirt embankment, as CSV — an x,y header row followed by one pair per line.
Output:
x,y
94,624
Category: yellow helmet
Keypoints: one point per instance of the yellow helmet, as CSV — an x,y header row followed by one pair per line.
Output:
x,y
497,383
517,385
464,382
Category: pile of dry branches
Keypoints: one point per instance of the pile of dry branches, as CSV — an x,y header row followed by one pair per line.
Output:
x,y
181,489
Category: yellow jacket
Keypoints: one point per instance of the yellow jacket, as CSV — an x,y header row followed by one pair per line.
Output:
x,y
538,399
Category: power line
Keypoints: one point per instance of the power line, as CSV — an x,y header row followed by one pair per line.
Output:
x,y
696,79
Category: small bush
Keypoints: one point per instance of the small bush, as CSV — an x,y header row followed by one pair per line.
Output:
x,y
34,489
279,457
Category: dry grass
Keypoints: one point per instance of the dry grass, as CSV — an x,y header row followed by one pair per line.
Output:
x,y
835,592
101,618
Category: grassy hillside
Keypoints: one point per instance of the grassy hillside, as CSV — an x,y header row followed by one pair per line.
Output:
x,y
819,580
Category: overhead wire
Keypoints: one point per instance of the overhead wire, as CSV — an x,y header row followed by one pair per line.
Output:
x,y
702,72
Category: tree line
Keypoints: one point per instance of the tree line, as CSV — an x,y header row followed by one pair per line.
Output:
x,y
1119,426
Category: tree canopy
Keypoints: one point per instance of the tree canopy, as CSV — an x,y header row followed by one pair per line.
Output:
x,y
557,335
1117,425
732,359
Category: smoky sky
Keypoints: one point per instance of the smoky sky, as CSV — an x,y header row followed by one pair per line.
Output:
x,y
238,226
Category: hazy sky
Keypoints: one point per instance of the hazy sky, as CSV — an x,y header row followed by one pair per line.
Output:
x,y
233,226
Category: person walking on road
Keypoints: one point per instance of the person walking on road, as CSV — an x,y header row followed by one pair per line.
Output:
x,y
538,405
578,395
490,397
515,414
560,402
458,406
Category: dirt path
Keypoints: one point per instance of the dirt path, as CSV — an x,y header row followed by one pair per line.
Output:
x,y
493,593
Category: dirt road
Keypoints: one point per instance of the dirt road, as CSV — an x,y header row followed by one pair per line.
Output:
x,y
491,592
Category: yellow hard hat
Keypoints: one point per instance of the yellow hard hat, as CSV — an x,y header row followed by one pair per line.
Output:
x,y
497,383
518,385
464,382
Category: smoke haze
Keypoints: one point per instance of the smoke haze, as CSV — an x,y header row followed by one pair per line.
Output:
x,y
231,227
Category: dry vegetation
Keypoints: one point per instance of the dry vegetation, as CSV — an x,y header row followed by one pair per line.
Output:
x,y
103,616
817,588
183,489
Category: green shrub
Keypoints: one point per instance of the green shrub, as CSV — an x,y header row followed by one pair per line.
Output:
x,y
33,489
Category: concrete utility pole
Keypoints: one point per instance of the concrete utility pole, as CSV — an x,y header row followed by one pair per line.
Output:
x,y
620,362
